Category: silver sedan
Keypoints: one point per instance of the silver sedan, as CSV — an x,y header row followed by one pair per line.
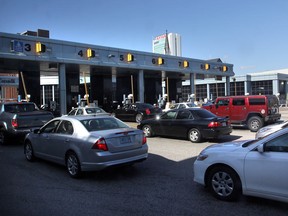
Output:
x,y
86,143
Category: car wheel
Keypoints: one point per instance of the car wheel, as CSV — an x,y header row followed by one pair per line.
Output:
x,y
255,123
224,183
28,151
147,130
73,165
139,118
194,135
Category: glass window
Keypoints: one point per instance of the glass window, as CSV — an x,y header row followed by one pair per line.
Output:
x,y
51,127
65,127
238,102
223,102
184,114
72,112
169,115
279,144
257,101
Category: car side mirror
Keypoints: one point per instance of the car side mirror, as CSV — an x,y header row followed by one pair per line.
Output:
x,y
260,148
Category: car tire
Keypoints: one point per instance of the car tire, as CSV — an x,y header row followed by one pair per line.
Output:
x,y
139,118
255,123
194,135
73,165
28,151
224,183
147,130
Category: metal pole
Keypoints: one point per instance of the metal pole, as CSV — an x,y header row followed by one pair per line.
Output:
x,y
86,90
132,88
167,81
24,86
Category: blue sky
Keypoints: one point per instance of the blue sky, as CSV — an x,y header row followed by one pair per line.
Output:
x,y
251,34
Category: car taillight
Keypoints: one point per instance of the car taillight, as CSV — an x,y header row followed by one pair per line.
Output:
x,y
14,123
144,140
147,111
214,124
100,144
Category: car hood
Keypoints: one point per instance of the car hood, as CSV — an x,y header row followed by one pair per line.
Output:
x,y
227,146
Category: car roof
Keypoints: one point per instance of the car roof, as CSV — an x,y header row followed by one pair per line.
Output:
x,y
82,117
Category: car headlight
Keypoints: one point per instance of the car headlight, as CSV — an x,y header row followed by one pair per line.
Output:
x,y
202,157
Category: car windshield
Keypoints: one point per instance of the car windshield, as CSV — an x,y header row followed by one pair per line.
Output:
x,y
190,105
94,110
97,124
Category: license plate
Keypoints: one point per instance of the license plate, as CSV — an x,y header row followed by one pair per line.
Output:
x,y
125,139
223,123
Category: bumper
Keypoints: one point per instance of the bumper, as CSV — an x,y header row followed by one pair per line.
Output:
x,y
215,132
103,160
273,118
199,170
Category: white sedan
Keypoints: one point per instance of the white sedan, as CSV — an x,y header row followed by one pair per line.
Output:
x,y
252,167
180,106
269,129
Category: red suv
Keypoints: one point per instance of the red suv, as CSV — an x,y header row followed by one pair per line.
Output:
x,y
253,111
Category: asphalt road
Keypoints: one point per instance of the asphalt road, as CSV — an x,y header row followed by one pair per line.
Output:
x,y
161,185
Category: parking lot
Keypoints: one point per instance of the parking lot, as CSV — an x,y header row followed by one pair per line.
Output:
x,y
162,185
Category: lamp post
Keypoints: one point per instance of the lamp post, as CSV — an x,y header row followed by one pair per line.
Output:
x,y
235,89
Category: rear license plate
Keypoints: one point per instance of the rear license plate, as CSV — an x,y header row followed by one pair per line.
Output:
x,y
223,123
125,139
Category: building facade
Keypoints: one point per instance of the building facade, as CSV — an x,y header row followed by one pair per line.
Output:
x,y
169,44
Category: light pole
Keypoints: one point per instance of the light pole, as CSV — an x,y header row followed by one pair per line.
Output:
x,y
235,89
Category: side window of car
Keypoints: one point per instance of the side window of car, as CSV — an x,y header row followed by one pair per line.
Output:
x,y
169,115
279,144
79,112
51,127
72,112
238,102
223,102
182,106
183,115
65,127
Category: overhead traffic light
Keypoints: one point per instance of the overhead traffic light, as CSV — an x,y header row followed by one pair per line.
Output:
x,y
130,57
90,53
160,61
224,68
185,64
40,48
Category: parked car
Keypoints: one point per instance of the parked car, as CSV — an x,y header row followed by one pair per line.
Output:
x,y
194,124
269,129
251,167
86,143
87,111
17,118
253,111
181,106
136,112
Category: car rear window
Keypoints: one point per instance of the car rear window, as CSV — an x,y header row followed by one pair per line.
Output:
x,y
15,108
202,113
97,124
